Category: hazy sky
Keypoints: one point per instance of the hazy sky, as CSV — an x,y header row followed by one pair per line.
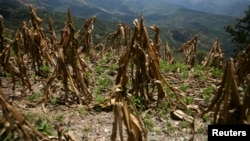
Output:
x,y
213,1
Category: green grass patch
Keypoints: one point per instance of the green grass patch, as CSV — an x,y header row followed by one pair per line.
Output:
x,y
43,125
206,93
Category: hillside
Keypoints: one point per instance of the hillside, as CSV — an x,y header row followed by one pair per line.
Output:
x,y
160,12
233,8
175,22
61,87
14,15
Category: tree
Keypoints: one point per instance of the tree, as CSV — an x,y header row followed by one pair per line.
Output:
x,y
240,33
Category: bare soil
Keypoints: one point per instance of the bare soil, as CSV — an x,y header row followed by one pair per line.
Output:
x,y
94,124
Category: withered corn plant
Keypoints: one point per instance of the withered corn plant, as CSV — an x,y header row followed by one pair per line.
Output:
x,y
30,43
125,113
242,63
53,38
189,49
85,35
157,41
145,73
1,34
14,125
121,100
70,67
36,43
230,104
18,48
5,62
120,37
146,83
215,56
167,55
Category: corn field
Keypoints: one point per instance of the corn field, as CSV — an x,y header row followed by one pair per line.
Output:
x,y
65,66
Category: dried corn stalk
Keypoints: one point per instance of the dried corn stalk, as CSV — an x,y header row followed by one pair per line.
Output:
x,y
121,34
157,41
123,115
36,43
226,100
242,63
147,81
30,43
189,49
230,95
70,67
134,126
245,109
144,60
167,55
5,55
7,65
245,116
86,38
18,48
14,125
1,34
53,39
230,107
145,77
215,56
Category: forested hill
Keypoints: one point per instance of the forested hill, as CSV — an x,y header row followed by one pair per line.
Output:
x,y
177,24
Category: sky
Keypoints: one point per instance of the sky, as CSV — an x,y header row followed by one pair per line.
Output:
x,y
212,1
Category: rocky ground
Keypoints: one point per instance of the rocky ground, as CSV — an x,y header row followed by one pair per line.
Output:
x,y
95,124
82,123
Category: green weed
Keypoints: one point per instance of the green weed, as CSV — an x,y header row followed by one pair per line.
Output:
x,y
34,96
138,101
216,72
198,71
85,129
184,124
100,99
105,81
161,110
169,92
149,123
189,99
53,101
184,74
97,91
165,67
206,93
184,87
45,70
43,125
99,69
82,111
59,118
170,127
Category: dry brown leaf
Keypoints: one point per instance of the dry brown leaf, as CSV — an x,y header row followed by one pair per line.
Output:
x,y
179,114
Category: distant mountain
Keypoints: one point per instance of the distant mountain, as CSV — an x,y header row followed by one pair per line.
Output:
x,y
160,12
233,8
177,23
